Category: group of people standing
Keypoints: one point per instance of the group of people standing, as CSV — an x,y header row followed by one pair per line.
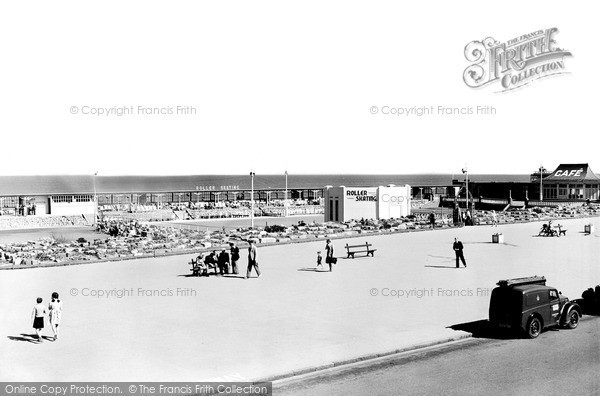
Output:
x,y
54,312
226,262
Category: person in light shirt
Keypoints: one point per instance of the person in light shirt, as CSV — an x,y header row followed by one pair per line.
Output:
x,y
55,310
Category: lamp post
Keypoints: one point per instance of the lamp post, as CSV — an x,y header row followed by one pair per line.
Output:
x,y
286,195
466,172
252,199
95,201
542,170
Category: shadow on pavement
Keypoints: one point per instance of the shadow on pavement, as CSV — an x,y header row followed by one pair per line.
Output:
x,y
483,329
29,338
312,270
441,266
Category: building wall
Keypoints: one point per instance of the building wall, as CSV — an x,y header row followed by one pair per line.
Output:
x,y
393,202
355,203
572,191
72,208
359,203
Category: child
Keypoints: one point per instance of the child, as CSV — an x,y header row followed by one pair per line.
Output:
x,y
38,318
319,259
55,309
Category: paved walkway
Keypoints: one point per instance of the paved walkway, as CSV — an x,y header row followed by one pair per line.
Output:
x,y
289,319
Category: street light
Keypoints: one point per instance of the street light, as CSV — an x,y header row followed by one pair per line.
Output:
x,y
286,194
466,172
252,199
95,200
542,170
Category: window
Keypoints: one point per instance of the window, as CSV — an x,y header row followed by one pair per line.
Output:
x,y
553,295
550,192
9,202
562,190
536,298
62,198
84,198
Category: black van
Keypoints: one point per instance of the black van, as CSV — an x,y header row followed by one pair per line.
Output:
x,y
528,305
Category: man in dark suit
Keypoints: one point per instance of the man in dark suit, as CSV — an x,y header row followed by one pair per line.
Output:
x,y
224,262
211,261
458,250
235,256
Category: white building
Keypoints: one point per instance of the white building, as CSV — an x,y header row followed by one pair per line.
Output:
x,y
353,203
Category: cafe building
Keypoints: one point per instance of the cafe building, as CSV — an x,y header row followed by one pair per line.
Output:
x,y
572,182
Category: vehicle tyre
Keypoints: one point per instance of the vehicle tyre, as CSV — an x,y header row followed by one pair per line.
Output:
x,y
534,327
572,319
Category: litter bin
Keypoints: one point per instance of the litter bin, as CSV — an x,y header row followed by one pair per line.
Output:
x,y
588,228
497,238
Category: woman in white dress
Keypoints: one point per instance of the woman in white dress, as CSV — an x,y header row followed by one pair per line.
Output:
x,y
55,310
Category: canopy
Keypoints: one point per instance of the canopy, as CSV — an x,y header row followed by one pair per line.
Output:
x,y
573,173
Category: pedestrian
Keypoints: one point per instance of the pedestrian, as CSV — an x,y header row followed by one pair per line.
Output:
x,y
252,263
235,256
224,262
329,250
319,260
55,311
432,219
458,251
211,262
494,219
39,311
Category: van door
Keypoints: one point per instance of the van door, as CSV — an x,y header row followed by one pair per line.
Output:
x,y
554,305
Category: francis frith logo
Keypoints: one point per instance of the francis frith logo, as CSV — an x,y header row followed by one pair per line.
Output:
x,y
514,63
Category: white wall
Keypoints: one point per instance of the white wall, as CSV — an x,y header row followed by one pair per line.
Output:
x,y
360,202
72,208
393,202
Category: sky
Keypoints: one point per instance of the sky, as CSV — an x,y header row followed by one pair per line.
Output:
x,y
229,87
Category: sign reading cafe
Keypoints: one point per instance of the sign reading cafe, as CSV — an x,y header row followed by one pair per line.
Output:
x,y
516,62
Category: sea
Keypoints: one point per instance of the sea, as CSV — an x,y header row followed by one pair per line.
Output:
x,y
85,184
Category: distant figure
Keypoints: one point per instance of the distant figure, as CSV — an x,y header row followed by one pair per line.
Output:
x,y
329,250
252,263
319,260
458,250
235,256
39,311
224,262
432,219
55,310
494,219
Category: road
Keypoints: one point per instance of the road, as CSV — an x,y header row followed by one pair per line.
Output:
x,y
559,361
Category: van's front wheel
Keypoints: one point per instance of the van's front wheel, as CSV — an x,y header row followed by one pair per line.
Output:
x,y
572,319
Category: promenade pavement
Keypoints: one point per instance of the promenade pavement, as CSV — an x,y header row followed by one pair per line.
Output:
x,y
228,328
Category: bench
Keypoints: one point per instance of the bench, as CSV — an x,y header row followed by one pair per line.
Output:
x,y
364,248
196,269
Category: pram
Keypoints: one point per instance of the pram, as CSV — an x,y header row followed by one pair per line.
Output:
x,y
547,230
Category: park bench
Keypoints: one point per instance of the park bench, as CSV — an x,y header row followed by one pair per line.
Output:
x,y
364,248
196,269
